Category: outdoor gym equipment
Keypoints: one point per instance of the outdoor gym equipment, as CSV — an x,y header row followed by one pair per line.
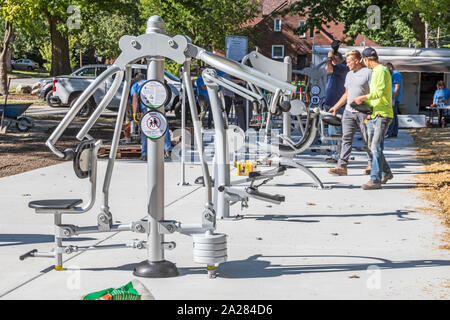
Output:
x,y
316,86
209,248
288,109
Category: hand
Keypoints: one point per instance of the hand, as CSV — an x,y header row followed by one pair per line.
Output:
x,y
359,100
333,111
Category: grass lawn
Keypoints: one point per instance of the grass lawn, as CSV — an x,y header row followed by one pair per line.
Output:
x,y
28,74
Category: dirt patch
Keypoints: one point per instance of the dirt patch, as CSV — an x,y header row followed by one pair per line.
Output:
x,y
433,150
21,152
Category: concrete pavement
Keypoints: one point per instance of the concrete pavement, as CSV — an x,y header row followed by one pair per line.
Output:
x,y
341,243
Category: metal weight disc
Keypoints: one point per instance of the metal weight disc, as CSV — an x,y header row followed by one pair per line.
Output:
x,y
297,107
81,159
154,94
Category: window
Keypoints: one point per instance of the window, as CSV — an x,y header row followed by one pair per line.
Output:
x,y
100,70
277,52
277,24
301,23
87,72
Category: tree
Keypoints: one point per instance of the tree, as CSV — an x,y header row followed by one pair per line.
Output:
x,y
205,22
103,34
14,15
434,13
396,26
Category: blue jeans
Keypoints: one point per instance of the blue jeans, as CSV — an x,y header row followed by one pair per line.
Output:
x,y
393,128
376,129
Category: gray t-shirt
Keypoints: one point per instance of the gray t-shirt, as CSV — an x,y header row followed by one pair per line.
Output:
x,y
357,84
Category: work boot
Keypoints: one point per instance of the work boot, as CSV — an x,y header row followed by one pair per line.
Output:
x,y
387,177
367,170
338,171
371,185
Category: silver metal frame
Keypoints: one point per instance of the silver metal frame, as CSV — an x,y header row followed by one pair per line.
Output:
x,y
155,46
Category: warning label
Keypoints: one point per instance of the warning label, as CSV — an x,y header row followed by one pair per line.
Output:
x,y
154,124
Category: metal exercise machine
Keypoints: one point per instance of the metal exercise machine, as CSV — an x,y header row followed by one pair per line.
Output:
x,y
291,112
209,247
316,85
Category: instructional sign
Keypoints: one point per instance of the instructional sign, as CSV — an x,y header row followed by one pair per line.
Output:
x,y
154,94
154,124
236,47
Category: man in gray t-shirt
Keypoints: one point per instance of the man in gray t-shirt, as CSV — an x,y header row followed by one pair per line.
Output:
x,y
357,83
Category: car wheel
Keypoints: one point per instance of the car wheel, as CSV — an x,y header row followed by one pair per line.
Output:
x,y
29,68
47,97
86,110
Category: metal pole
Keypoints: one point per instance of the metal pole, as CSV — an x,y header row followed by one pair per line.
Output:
x,y
222,161
155,266
287,115
183,133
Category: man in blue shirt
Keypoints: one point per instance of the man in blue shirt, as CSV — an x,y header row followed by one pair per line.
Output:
x,y
334,90
134,93
397,93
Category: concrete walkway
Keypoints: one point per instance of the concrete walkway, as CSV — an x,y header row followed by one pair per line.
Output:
x,y
341,243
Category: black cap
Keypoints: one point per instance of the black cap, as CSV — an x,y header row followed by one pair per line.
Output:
x,y
369,52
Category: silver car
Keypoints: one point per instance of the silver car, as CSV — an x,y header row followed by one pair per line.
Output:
x,y
24,64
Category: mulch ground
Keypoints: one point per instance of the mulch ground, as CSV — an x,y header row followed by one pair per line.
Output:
x,y
433,150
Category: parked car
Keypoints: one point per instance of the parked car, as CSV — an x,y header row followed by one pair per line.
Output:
x,y
45,90
24,64
66,90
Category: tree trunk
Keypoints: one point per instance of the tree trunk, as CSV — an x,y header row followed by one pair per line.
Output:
x,y
3,60
60,49
419,28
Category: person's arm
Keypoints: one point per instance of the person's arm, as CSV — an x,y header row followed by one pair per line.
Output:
x,y
134,106
339,104
329,65
396,90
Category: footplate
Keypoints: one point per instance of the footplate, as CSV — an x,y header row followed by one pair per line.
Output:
x,y
275,198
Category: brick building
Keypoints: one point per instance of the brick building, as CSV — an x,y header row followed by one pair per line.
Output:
x,y
278,36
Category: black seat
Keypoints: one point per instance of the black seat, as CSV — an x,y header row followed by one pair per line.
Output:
x,y
332,120
364,108
256,193
268,173
55,204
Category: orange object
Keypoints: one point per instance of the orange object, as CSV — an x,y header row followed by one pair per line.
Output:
x,y
127,133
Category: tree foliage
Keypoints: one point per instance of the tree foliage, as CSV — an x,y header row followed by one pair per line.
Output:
x,y
206,22
401,21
